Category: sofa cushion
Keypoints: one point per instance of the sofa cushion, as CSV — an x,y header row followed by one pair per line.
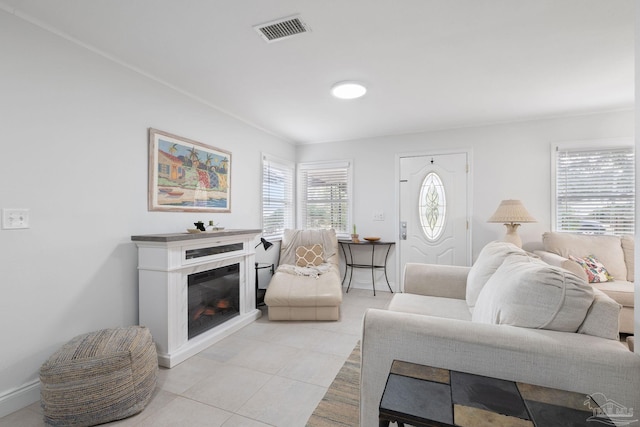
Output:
x,y
450,308
290,290
489,259
620,290
602,318
608,249
529,293
628,247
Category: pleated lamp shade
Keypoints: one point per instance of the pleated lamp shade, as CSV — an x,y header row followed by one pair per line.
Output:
x,y
512,213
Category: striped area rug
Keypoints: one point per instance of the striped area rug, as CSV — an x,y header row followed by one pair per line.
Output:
x,y
340,406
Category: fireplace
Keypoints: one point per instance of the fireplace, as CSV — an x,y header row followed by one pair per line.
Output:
x,y
213,298
195,289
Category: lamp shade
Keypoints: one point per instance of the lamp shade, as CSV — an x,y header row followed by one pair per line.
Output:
x,y
265,244
511,212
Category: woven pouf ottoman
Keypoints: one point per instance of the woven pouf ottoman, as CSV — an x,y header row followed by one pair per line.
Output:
x,y
99,377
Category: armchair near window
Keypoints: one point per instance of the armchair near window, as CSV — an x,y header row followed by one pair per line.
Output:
x,y
306,285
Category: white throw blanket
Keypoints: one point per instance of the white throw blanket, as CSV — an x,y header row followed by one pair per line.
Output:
x,y
314,272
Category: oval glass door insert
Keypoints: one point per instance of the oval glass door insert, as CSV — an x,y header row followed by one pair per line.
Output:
x,y
432,206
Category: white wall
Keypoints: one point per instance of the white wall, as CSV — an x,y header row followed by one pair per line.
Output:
x,y
509,161
74,151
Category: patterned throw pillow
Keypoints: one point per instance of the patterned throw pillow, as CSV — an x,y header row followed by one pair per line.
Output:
x,y
309,256
596,272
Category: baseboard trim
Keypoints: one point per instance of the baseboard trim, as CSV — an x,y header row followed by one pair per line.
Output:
x,y
19,398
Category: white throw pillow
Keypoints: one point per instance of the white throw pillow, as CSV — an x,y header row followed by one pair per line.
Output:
x,y
489,259
529,293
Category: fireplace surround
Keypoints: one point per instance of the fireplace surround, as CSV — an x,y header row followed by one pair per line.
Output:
x,y
218,266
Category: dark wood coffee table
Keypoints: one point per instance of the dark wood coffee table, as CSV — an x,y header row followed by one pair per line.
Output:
x,y
425,396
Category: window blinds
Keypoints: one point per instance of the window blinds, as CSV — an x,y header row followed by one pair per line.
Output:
x,y
595,190
324,193
277,196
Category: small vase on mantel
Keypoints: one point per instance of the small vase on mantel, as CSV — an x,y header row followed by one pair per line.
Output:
x,y
354,238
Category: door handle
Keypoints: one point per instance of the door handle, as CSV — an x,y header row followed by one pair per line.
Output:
x,y
403,230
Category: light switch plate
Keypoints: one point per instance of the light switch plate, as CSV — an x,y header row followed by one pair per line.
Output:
x,y
378,216
13,219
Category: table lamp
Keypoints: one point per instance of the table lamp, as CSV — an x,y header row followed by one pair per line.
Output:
x,y
511,213
265,244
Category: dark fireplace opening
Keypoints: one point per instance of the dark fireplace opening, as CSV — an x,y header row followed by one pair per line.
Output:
x,y
214,298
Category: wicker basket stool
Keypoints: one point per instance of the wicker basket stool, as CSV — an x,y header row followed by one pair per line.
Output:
x,y
99,377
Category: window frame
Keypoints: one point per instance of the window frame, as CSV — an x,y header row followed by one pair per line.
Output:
x,y
290,213
301,202
584,145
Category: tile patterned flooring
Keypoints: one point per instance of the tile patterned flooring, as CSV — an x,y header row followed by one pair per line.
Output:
x,y
266,374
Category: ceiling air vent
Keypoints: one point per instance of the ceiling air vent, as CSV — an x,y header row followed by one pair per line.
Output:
x,y
282,29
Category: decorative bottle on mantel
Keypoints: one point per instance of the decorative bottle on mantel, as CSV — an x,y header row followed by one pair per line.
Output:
x,y
354,235
214,226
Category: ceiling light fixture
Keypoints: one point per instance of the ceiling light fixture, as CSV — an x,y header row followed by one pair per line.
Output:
x,y
348,90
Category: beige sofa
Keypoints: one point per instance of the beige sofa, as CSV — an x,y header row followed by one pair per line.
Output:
x,y
431,323
615,253
306,293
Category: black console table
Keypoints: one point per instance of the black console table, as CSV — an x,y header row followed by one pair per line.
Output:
x,y
348,244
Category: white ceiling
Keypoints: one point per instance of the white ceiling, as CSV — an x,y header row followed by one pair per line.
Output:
x,y
428,64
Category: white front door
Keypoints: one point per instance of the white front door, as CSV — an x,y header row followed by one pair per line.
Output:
x,y
434,211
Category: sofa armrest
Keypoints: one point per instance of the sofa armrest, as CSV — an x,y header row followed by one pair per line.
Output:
x,y
566,361
447,281
562,262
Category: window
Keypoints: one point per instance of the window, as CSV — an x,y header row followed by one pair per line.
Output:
x,y
324,195
277,196
432,206
594,188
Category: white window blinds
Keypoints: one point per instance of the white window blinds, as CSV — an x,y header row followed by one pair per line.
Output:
x,y
277,196
324,194
595,190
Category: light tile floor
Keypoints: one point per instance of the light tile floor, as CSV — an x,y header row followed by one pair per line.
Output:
x,y
266,374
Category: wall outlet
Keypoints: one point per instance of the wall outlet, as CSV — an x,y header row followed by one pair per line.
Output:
x,y
378,216
13,219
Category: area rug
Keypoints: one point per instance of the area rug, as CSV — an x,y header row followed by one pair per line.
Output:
x,y
340,406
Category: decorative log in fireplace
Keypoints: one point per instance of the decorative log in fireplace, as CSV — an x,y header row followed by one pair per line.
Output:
x,y
219,267
213,298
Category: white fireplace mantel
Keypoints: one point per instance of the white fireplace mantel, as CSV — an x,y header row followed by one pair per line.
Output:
x,y
164,263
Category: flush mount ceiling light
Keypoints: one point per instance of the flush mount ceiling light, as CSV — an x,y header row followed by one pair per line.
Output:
x,y
348,90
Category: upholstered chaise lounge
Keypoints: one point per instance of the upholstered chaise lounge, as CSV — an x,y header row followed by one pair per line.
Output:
x,y
306,285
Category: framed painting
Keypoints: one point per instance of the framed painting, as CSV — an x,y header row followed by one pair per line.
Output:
x,y
187,176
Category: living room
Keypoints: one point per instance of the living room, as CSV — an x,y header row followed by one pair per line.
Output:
x,y
76,122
